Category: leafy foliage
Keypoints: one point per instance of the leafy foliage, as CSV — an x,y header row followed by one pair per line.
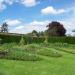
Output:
x,y
56,29
22,41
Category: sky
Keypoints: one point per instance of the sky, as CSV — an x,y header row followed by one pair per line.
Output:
x,y
23,16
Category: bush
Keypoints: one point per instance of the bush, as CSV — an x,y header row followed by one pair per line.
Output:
x,y
19,54
49,52
22,41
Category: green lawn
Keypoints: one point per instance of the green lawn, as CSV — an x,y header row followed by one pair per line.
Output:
x,y
62,62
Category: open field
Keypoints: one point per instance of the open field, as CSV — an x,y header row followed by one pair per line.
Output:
x,y
42,59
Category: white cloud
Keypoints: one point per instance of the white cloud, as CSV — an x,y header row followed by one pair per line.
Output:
x,y
2,6
13,22
19,27
10,2
37,25
29,3
51,10
1,1
29,27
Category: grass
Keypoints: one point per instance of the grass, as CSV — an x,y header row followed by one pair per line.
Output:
x,y
56,60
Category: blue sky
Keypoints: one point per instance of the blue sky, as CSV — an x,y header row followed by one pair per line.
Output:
x,y
23,16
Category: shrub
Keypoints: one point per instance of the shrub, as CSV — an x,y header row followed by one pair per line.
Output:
x,y
49,52
22,41
46,41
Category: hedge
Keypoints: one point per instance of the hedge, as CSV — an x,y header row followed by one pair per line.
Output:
x,y
16,39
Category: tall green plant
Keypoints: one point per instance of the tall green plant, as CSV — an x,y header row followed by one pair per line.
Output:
x,y
22,41
46,37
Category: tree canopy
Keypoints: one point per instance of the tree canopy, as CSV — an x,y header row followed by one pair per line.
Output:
x,y
56,29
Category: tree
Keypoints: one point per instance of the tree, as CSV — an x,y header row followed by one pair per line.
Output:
x,y
35,33
41,34
73,32
56,29
4,27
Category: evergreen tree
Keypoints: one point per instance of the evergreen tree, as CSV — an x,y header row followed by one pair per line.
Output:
x,y
4,27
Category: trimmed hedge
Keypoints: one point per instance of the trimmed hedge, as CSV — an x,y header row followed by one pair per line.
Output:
x,y
9,38
16,39
69,40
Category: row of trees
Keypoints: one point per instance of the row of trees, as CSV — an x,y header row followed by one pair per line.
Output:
x,y
54,29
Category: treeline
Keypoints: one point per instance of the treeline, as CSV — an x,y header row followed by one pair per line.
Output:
x,y
54,33
54,29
